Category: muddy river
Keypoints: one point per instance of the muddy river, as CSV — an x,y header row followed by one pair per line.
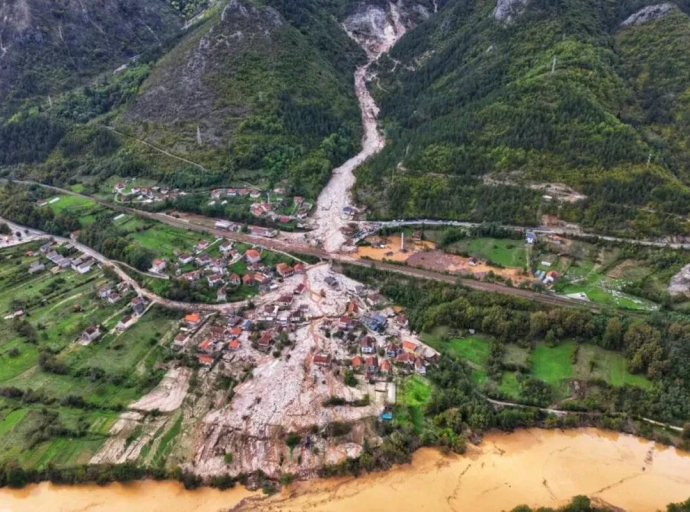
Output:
x,y
535,467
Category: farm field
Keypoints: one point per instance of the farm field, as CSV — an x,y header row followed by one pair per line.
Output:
x,y
55,382
557,366
499,251
413,393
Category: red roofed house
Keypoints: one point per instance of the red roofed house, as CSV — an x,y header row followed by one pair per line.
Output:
x,y
234,345
205,346
372,364
192,320
410,346
299,268
158,265
205,360
385,366
322,359
368,345
356,362
248,280
234,279
253,256
284,269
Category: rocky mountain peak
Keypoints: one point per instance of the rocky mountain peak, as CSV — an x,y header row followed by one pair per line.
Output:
x,y
647,14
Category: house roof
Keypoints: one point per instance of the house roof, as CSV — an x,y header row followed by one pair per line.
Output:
x,y
410,345
356,362
192,318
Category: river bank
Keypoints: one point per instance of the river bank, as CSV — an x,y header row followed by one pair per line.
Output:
x,y
532,466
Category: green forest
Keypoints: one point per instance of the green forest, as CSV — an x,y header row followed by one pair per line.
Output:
x,y
562,94
277,107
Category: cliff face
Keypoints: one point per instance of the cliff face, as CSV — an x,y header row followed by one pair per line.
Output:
x,y
46,46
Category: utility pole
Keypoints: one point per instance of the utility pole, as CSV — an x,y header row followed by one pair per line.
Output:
x,y
553,66
649,159
198,135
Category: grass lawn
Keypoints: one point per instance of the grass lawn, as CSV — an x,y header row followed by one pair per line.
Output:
x,y
504,252
596,362
413,392
509,385
163,240
552,364
517,356
84,209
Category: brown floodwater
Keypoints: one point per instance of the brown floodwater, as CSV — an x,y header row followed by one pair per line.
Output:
x,y
535,467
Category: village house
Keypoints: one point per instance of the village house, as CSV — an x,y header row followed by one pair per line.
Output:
x,y
222,294
202,245
376,323
284,270
158,265
45,248
214,280
367,345
391,350
372,364
192,320
356,363
104,292
181,339
36,267
248,280
252,256
352,309
226,247
405,358
300,289
234,279
125,322
224,224
410,347
91,334
284,301
205,360
206,345
255,194
191,276
385,367
185,259
235,332
113,298
419,366
265,340
322,359
375,299
119,187
217,266
530,238
234,345
346,323
264,232
203,259
138,305
299,268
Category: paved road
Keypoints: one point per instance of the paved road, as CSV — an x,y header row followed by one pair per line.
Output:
x,y
142,292
302,248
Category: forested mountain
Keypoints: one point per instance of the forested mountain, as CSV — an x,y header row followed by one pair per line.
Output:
x,y
486,95
250,90
50,45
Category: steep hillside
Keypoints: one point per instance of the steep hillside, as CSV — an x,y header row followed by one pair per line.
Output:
x,y
488,102
254,91
48,46
250,92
